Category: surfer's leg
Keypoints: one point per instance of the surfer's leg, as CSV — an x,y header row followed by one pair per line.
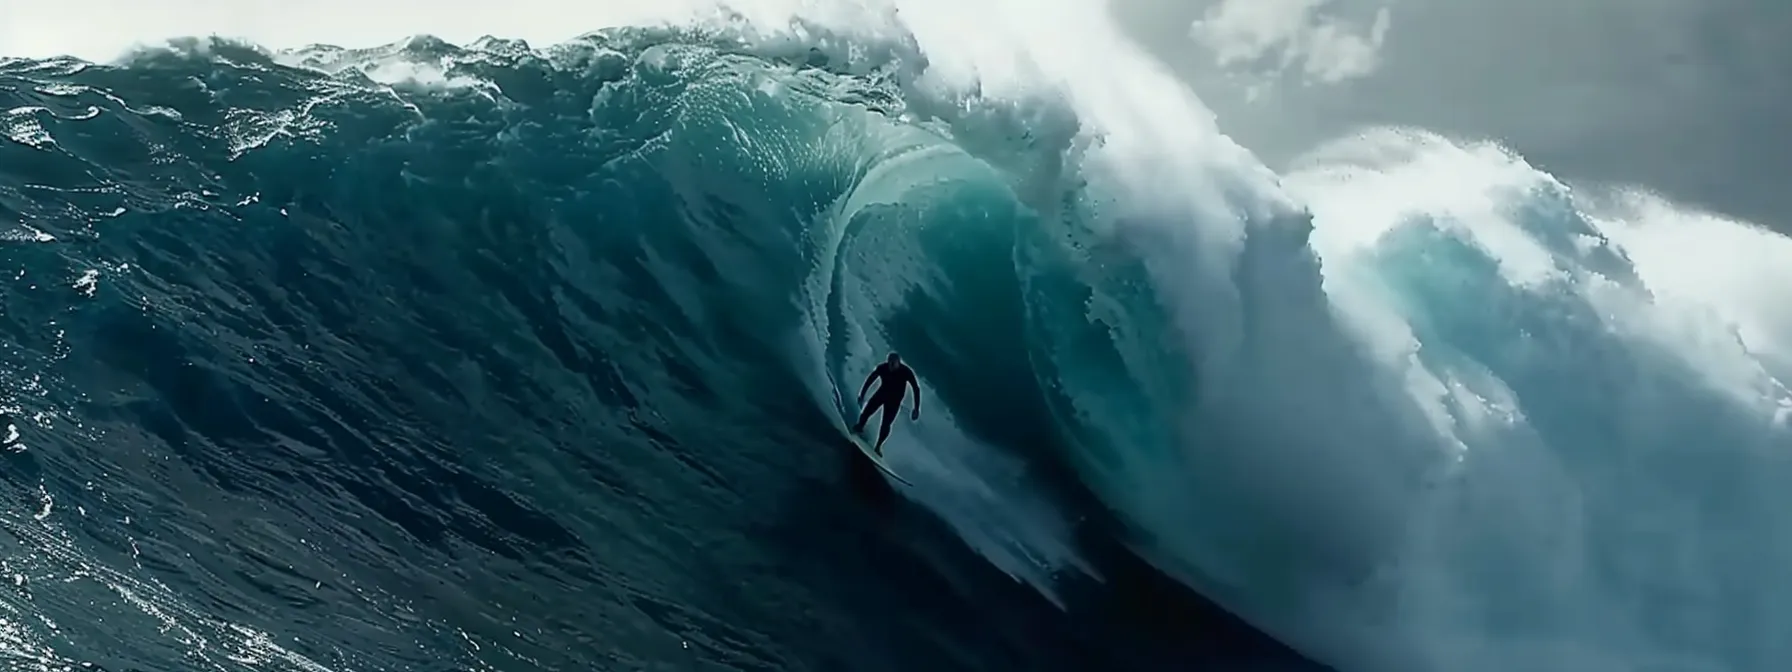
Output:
x,y
891,408
870,407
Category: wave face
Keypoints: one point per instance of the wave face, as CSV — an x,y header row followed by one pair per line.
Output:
x,y
510,358
430,357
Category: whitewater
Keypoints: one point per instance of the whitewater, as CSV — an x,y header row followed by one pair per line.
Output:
x,y
1406,404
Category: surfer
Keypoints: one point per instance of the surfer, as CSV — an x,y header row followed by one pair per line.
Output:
x,y
897,377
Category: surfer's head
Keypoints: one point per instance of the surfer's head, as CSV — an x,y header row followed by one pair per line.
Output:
x,y
893,358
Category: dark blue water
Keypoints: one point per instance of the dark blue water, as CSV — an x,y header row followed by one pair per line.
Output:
x,y
308,371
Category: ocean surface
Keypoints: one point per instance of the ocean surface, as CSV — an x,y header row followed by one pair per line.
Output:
x,y
502,356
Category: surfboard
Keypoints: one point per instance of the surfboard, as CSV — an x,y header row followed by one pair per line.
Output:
x,y
866,449
845,427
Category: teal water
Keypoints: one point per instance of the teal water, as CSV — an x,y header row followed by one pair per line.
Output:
x,y
513,357
529,366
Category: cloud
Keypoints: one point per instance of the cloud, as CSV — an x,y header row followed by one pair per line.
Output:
x,y
1290,35
1683,97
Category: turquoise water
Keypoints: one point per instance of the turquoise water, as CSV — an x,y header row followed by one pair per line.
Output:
x,y
508,357
523,367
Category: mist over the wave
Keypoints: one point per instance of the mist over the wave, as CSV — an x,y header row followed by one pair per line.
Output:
x,y
1677,95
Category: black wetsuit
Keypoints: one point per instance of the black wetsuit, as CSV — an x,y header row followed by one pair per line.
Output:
x,y
897,378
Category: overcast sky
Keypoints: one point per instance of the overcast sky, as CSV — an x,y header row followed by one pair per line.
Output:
x,y
1688,97
1684,96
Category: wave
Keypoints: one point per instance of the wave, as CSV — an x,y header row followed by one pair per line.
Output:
x,y
1411,405
413,302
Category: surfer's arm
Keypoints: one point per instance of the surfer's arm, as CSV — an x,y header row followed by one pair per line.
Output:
x,y
912,382
867,386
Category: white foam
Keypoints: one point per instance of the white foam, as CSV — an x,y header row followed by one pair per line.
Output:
x,y
1629,514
